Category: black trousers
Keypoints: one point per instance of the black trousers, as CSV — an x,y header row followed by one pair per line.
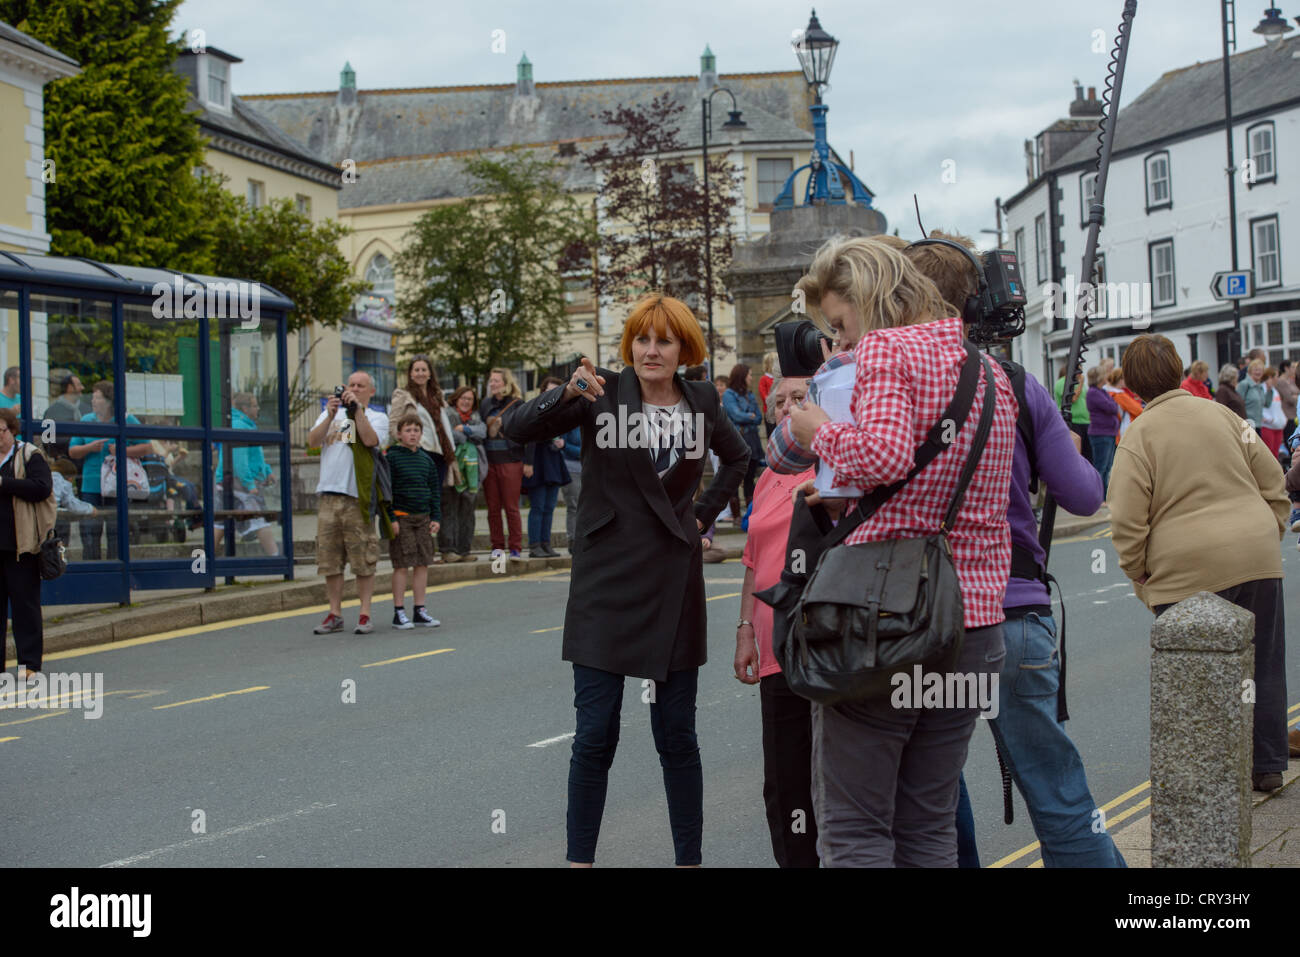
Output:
x,y
20,589
787,773
1264,599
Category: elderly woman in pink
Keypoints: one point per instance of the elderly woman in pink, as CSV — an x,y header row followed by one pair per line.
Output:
x,y
787,718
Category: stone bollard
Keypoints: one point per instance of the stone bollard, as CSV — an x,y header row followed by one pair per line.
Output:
x,y
1202,707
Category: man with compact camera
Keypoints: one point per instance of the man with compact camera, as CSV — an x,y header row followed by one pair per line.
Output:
x,y
345,530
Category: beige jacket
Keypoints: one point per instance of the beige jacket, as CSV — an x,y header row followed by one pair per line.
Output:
x,y
1196,501
32,520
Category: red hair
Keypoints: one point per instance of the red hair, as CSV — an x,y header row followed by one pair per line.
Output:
x,y
669,317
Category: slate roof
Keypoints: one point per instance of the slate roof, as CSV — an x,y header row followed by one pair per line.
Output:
x,y
14,35
1189,98
407,143
245,122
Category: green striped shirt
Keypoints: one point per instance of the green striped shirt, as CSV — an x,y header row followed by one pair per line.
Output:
x,y
416,489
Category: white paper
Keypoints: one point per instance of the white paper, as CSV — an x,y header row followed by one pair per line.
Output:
x,y
135,393
154,395
833,392
174,395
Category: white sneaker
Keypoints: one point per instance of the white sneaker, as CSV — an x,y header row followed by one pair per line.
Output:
x,y
401,621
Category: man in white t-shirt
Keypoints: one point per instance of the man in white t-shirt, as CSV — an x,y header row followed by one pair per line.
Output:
x,y
343,534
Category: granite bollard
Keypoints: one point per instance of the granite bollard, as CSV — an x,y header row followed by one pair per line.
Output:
x,y
1202,707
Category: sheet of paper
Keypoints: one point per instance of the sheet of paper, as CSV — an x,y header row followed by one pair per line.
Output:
x,y
833,391
155,395
175,395
135,393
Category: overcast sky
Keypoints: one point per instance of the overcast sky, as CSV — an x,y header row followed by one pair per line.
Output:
x,y
915,82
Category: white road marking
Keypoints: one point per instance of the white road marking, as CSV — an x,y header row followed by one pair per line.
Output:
x,y
209,838
555,740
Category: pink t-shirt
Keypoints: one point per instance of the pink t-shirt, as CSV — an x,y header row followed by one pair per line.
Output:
x,y
769,529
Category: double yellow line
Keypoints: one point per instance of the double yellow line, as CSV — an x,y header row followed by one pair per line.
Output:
x,y
1122,816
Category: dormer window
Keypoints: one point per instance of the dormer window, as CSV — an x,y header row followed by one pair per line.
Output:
x,y
218,82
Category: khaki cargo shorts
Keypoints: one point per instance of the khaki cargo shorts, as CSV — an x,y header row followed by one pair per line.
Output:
x,y
344,537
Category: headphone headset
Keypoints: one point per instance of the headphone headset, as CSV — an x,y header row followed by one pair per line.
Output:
x,y
973,308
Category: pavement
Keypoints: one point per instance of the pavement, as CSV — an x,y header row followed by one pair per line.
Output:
x,y
1274,828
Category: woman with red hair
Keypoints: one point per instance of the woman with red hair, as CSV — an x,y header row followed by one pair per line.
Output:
x,y
636,592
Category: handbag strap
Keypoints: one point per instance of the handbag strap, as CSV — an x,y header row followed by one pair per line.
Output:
x,y
976,449
950,422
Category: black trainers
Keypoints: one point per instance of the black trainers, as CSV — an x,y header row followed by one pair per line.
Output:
x,y
401,621
422,618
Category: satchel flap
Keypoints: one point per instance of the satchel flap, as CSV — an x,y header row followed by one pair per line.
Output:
x,y
888,572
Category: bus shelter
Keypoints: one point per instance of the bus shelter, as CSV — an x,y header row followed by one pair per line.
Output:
x,y
162,400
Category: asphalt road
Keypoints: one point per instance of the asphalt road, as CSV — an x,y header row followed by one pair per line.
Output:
x,y
455,750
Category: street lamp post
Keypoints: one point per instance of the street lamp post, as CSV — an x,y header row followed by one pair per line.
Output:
x,y
733,126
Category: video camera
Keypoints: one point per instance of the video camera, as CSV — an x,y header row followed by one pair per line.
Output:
x,y
996,313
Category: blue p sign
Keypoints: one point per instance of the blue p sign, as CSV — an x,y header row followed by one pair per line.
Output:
x,y
1236,285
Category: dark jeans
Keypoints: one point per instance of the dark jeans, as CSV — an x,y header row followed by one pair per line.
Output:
x,y
456,534
20,589
541,510
598,697
91,528
1103,456
1264,599
787,773
968,853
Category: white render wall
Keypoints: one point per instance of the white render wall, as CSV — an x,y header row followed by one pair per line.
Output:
x,y
1197,223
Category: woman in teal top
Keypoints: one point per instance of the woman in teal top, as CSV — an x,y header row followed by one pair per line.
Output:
x,y
89,454
252,474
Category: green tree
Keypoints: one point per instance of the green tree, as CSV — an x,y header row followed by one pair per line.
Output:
x,y
124,147
277,245
482,282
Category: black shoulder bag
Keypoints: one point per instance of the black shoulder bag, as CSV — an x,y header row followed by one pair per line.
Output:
x,y
871,610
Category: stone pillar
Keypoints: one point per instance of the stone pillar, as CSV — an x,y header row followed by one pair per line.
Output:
x,y
762,273
1202,708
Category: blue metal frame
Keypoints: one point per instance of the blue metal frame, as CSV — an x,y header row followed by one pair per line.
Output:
x,y
826,182
113,579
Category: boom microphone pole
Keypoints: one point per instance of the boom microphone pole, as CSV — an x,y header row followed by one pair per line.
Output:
x,y
1096,213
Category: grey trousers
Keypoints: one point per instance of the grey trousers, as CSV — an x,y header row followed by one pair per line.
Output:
x,y
885,779
570,494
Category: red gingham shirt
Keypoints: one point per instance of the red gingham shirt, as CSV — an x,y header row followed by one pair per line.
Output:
x,y
905,379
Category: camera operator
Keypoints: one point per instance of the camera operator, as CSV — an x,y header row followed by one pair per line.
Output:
x,y
1042,759
886,778
345,530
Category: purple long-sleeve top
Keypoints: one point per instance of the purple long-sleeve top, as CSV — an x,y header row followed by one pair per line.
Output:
x,y
1074,484
1103,413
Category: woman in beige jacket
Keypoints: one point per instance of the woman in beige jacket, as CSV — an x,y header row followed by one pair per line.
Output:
x,y
423,397
1173,521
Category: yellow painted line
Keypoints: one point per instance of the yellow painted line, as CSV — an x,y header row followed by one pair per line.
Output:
x,y
734,594
1030,848
211,697
270,616
70,696
540,631
1294,707
1128,812
1293,721
50,714
423,654
14,738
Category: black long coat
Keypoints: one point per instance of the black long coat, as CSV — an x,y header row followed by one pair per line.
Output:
x,y
636,595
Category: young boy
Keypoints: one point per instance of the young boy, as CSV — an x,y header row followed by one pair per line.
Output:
x,y
416,498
